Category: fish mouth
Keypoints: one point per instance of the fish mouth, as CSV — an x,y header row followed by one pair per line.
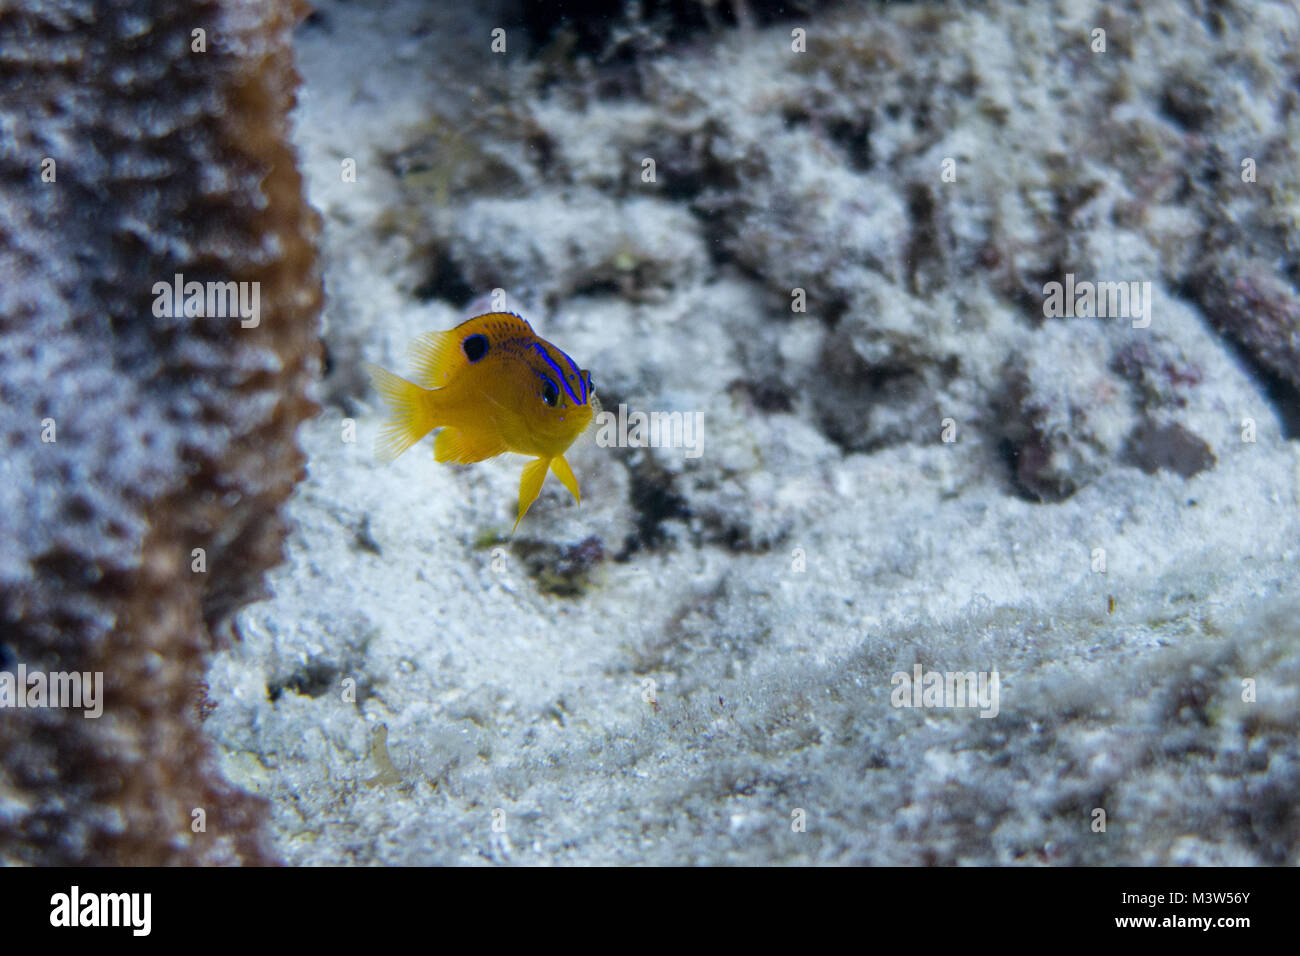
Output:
x,y
581,417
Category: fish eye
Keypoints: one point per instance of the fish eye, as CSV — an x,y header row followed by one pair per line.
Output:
x,y
475,347
550,394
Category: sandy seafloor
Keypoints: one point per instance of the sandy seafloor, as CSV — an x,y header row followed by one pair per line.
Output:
x,y
510,676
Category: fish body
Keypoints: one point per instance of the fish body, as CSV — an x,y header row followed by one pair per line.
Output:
x,y
491,385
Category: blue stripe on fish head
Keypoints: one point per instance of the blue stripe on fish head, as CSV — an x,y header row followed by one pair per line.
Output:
x,y
577,374
559,373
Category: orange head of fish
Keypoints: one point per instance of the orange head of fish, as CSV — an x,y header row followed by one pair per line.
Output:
x,y
554,398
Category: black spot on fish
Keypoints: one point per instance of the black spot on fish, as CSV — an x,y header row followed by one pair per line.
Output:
x,y
475,347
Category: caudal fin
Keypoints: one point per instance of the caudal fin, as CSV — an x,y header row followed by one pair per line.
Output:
x,y
412,415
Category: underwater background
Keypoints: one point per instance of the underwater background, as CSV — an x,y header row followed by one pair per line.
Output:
x,y
826,234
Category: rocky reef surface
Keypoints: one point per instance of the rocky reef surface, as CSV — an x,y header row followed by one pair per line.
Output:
x,y
989,314
928,465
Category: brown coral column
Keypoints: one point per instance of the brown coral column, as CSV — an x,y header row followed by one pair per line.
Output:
x,y
133,149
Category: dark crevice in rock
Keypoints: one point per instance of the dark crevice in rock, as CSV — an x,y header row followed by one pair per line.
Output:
x,y
655,502
314,680
444,281
854,140
594,28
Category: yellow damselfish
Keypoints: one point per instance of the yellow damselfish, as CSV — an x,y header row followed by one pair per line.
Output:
x,y
492,385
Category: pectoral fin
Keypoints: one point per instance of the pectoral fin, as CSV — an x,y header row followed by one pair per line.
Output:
x,y
464,447
565,474
530,486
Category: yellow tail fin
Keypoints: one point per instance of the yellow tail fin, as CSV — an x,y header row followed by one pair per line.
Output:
x,y
412,416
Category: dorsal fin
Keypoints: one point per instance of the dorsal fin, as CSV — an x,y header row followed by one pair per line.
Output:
x,y
437,356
